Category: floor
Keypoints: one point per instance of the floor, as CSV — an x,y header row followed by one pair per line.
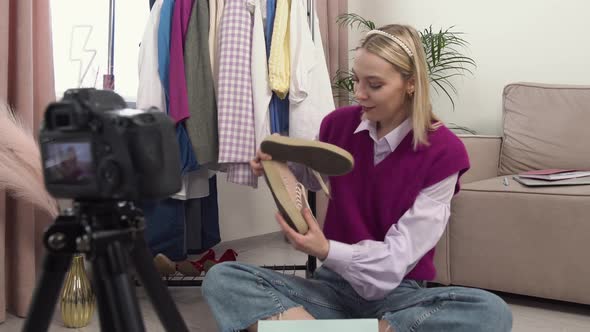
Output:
x,y
530,314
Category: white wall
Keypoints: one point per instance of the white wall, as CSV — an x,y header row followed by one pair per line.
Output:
x,y
243,211
246,212
71,41
525,40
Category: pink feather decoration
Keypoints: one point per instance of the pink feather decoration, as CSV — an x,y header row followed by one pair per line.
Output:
x,y
21,173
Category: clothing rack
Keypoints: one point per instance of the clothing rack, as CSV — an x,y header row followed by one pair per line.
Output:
x,y
108,80
179,280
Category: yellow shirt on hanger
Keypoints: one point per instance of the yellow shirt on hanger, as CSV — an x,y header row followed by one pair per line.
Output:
x,y
279,62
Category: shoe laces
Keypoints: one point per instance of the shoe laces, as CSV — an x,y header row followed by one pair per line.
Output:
x,y
301,198
300,195
298,190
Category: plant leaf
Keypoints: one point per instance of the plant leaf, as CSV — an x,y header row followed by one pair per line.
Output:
x,y
456,126
351,19
446,92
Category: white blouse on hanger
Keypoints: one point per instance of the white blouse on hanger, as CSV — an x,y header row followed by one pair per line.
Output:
x,y
310,94
260,85
195,184
150,91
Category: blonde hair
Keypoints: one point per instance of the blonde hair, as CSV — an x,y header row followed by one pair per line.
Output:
x,y
393,46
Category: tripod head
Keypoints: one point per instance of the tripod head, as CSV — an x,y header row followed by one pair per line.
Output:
x,y
90,225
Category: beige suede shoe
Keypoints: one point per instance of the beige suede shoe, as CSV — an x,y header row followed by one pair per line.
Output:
x,y
325,158
289,195
164,265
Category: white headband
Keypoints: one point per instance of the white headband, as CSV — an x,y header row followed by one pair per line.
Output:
x,y
394,39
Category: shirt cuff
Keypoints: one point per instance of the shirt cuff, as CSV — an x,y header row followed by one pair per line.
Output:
x,y
339,256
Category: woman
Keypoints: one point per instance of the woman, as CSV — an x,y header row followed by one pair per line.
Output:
x,y
384,218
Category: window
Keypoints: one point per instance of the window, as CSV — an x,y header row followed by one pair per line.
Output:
x,y
80,43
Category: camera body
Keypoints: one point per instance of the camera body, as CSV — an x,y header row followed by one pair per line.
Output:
x,y
94,148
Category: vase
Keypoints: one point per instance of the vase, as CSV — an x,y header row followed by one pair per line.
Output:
x,y
77,298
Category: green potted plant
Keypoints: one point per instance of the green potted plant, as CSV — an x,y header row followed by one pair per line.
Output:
x,y
444,56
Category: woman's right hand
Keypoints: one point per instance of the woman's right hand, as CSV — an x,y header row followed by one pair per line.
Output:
x,y
255,163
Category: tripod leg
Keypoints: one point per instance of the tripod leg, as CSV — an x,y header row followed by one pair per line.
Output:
x,y
120,301
55,267
105,296
159,296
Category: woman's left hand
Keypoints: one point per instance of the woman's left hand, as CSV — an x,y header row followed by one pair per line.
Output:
x,y
313,242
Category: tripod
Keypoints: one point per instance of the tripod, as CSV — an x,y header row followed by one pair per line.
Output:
x,y
109,233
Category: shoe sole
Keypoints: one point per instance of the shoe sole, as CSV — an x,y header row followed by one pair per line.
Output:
x,y
325,158
288,210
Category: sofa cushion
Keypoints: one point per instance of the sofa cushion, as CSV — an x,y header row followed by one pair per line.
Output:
x,y
442,260
531,241
484,156
545,126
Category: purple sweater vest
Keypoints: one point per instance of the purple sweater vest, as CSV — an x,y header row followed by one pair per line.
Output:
x,y
371,198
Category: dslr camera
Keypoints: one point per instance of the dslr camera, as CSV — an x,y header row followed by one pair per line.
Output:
x,y
95,148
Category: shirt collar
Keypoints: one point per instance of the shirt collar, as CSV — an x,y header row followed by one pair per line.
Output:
x,y
393,138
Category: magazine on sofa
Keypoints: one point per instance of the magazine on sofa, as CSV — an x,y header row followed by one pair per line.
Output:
x,y
543,183
554,174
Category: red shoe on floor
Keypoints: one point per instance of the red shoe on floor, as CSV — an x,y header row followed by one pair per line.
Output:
x,y
195,268
229,255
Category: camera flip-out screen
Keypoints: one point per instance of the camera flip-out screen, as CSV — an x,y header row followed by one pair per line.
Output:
x,y
69,162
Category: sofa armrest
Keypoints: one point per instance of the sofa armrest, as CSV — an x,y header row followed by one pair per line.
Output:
x,y
484,156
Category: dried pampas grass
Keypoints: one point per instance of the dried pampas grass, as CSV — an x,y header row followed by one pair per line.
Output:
x,y
21,173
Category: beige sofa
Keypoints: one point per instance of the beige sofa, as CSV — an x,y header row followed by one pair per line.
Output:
x,y
517,239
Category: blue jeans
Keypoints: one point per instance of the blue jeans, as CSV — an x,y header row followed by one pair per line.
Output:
x,y
239,295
